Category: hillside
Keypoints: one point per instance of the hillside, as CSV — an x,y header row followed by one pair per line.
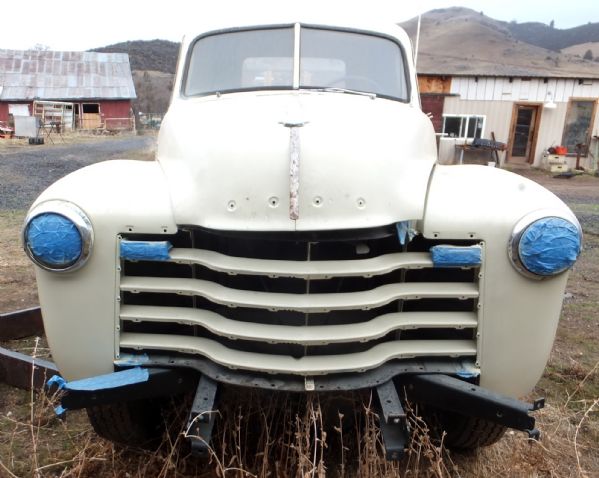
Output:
x,y
581,49
153,55
462,41
554,39
153,64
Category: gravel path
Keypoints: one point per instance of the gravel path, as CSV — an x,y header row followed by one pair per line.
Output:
x,y
26,171
581,193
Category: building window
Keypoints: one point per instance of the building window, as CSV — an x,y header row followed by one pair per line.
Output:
x,y
91,108
578,125
463,126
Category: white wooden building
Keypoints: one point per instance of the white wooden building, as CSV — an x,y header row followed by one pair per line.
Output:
x,y
528,113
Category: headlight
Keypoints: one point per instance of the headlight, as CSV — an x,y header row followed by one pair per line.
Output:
x,y
58,236
544,245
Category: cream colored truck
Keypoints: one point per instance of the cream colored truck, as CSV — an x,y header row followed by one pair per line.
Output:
x,y
295,233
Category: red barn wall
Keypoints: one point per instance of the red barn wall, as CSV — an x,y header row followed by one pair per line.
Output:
x,y
4,108
3,111
115,109
116,114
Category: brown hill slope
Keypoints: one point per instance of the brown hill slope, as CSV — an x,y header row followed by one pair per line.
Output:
x,y
152,55
462,41
552,38
582,48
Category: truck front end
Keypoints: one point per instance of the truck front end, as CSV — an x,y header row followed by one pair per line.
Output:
x,y
296,234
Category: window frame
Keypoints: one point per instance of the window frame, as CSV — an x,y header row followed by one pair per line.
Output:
x,y
191,48
571,100
464,126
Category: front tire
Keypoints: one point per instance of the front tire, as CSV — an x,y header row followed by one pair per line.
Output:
x,y
137,424
464,432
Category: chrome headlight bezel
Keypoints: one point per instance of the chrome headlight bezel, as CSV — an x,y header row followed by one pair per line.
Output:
x,y
72,213
519,230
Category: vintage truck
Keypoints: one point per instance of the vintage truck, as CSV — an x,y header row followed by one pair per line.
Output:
x,y
296,234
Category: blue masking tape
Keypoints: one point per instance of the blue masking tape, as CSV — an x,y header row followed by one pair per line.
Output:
x,y
132,360
110,380
467,374
146,250
405,233
54,239
549,246
56,380
456,256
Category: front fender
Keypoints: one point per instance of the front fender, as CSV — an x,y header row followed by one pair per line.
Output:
x,y
79,308
518,316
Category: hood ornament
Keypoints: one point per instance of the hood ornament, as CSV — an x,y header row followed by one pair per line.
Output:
x,y
294,165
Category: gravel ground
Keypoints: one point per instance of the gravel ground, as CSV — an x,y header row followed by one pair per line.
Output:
x,y
581,193
26,171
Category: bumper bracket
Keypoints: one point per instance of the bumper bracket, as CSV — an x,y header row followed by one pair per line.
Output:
x,y
202,416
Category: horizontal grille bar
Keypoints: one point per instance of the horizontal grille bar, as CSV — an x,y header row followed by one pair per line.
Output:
x,y
302,269
307,365
303,335
363,300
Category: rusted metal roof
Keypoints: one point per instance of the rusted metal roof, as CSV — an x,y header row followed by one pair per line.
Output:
x,y
64,75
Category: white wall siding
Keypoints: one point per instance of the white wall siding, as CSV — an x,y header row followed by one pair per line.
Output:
x,y
535,89
498,115
551,130
494,97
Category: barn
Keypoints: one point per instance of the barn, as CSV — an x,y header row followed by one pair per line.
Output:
x,y
71,90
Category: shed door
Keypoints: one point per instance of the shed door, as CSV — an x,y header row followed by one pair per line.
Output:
x,y
91,118
525,120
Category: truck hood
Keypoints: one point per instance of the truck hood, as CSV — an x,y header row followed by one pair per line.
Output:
x,y
363,162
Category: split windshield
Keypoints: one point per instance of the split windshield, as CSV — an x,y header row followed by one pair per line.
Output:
x,y
334,60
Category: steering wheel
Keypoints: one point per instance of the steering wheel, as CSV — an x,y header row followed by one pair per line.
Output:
x,y
364,79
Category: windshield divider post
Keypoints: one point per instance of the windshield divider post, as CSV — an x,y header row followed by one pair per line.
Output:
x,y
296,56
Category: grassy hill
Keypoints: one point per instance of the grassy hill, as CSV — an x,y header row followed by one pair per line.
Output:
x,y
551,38
153,55
463,41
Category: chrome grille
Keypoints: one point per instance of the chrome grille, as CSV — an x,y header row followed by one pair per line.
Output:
x,y
299,303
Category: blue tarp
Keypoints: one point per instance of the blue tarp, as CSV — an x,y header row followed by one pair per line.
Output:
x,y
456,256
53,239
549,246
146,250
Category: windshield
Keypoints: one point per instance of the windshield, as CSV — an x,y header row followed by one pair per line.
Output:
x,y
328,59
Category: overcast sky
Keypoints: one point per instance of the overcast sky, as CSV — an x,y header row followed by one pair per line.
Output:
x,y
81,25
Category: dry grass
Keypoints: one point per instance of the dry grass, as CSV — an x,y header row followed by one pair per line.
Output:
x,y
17,278
260,434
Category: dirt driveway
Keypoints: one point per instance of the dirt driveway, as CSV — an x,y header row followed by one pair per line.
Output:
x,y
25,171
